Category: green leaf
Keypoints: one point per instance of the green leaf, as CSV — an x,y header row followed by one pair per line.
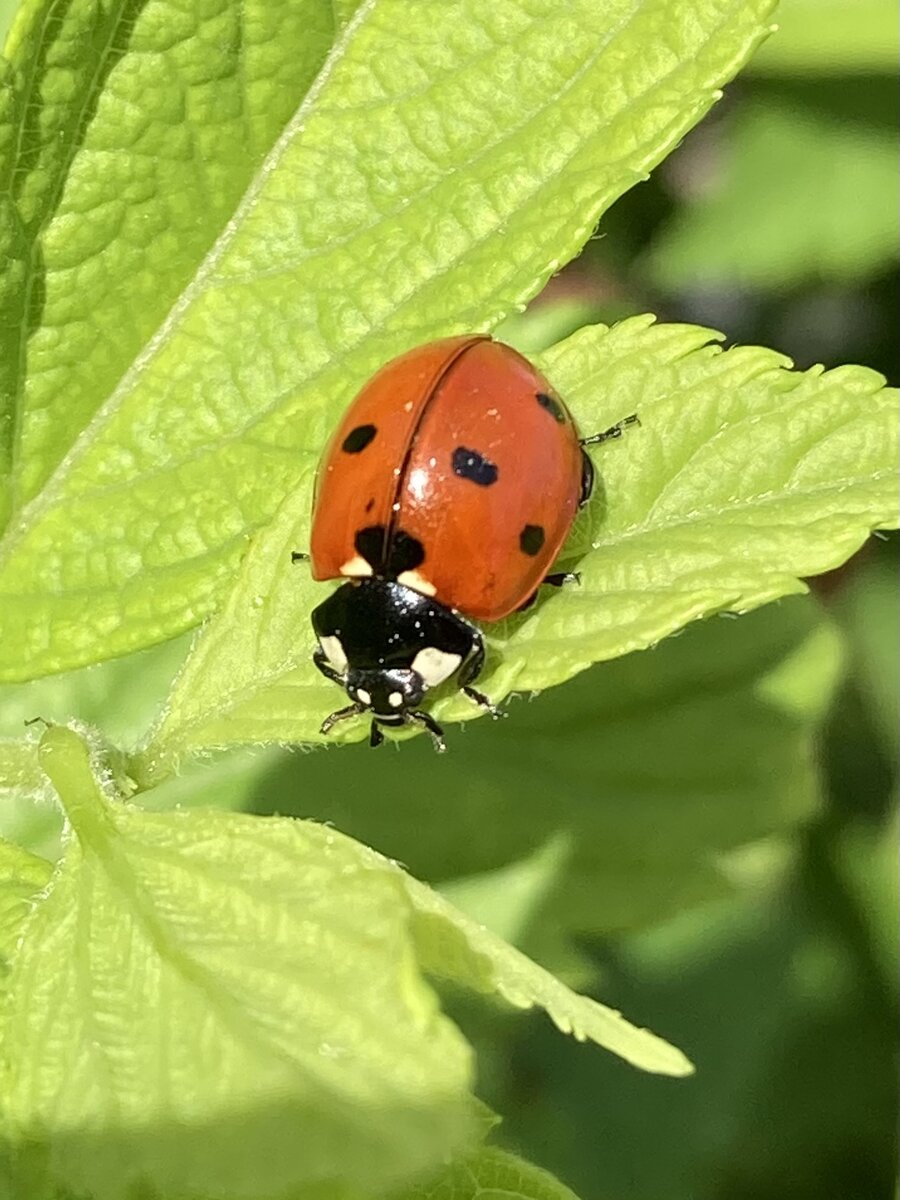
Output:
x,y
489,1174
547,321
831,37
628,791
451,946
121,697
22,875
742,478
7,10
507,898
135,132
299,1044
222,1004
344,11
19,767
427,183
777,213
31,817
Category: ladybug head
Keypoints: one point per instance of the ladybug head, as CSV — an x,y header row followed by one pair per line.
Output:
x,y
391,695
388,693
387,645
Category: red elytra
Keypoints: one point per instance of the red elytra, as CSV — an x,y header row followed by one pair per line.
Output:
x,y
458,471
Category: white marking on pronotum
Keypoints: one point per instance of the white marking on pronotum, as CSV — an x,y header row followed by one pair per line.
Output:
x,y
363,695
356,566
435,665
395,699
412,579
334,652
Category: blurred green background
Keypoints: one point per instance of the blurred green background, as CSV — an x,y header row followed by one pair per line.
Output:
x,y
704,834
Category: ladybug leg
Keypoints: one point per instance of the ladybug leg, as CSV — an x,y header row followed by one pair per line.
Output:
x,y
558,579
470,670
321,660
596,439
376,737
425,719
482,701
587,478
341,714
614,431
299,556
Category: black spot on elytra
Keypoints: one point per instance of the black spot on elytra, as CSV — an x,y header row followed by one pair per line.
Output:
x,y
404,553
469,464
357,439
531,539
370,505
369,544
552,405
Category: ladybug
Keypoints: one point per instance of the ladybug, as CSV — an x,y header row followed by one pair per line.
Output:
x,y
443,498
